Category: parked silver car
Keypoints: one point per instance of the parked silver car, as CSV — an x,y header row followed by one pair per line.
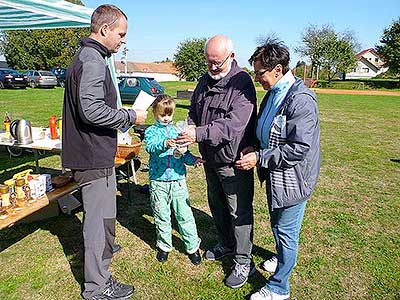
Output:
x,y
41,78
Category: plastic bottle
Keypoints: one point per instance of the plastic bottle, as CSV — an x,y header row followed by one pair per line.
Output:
x,y
60,128
53,127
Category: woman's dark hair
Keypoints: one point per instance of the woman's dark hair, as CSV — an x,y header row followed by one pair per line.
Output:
x,y
271,53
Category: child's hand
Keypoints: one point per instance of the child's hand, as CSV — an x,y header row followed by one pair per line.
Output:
x,y
198,162
170,143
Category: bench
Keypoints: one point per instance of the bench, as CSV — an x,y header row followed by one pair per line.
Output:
x,y
40,203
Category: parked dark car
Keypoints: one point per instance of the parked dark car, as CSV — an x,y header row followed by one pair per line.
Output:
x,y
130,86
41,78
61,74
12,78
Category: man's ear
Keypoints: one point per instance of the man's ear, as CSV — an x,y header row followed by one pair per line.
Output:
x,y
104,30
278,69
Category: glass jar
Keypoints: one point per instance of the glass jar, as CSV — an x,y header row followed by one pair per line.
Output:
x,y
5,196
19,190
5,200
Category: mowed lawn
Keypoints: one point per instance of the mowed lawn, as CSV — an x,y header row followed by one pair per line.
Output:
x,y
349,246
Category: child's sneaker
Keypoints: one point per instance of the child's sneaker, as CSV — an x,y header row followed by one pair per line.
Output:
x,y
162,256
195,258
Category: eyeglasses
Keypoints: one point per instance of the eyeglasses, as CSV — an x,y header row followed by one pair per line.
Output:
x,y
260,73
218,65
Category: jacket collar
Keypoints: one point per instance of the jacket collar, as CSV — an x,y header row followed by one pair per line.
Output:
x,y
92,43
298,87
219,86
159,124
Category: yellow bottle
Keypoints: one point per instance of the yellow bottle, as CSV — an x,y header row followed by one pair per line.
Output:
x,y
7,122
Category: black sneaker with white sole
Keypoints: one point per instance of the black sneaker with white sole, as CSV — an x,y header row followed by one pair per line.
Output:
x,y
217,252
115,291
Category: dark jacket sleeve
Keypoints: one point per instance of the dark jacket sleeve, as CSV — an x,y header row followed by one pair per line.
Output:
x,y
192,118
302,124
93,109
234,123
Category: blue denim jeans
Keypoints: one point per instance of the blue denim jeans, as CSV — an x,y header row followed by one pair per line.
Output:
x,y
285,224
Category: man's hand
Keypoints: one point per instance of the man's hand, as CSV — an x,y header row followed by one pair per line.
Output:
x,y
141,116
170,143
198,161
247,161
187,136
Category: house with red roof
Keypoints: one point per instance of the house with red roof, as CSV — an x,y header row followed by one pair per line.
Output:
x,y
369,64
162,71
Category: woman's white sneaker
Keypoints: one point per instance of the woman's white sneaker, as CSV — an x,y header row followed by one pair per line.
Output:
x,y
270,265
266,294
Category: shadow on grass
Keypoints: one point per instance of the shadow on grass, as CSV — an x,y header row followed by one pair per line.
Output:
x,y
67,228
8,162
395,160
134,216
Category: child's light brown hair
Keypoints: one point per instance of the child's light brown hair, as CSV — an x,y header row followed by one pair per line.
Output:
x,y
163,105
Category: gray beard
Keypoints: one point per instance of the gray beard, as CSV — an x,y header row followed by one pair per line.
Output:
x,y
220,75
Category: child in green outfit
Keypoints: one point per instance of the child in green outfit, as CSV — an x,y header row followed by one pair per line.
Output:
x,y
168,188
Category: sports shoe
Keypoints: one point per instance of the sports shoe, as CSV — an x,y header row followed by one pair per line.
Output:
x,y
217,252
240,274
116,248
162,256
270,264
115,291
195,258
266,294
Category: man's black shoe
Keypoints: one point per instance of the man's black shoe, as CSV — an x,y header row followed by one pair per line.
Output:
x,y
162,256
195,258
115,291
116,248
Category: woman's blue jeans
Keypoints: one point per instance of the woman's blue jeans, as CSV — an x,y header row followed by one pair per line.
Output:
x,y
285,224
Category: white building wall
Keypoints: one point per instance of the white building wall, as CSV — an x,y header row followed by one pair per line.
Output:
x,y
364,71
361,71
157,76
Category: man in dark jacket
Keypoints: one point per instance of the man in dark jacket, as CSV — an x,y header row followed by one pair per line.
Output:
x,y
90,120
288,158
223,110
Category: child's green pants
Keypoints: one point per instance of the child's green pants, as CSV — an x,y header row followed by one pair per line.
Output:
x,y
163,195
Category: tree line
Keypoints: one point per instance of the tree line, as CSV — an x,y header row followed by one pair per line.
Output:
x,y
328,51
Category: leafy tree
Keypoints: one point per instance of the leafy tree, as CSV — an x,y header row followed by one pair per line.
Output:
x,y
333,51
189,58
41,49
390,50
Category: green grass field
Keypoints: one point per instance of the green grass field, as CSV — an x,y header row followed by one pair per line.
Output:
x,y
349,246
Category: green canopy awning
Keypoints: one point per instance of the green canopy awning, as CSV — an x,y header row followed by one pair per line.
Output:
x,y
42,14
48,14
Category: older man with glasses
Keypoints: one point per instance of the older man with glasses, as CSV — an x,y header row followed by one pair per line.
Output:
x,y
223,116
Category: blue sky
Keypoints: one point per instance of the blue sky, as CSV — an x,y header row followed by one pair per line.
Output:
x,y
156,27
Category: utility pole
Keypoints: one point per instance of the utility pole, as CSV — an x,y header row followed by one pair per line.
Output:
x,y
123,59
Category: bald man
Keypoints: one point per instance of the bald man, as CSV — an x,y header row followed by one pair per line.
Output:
x,y
223,118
